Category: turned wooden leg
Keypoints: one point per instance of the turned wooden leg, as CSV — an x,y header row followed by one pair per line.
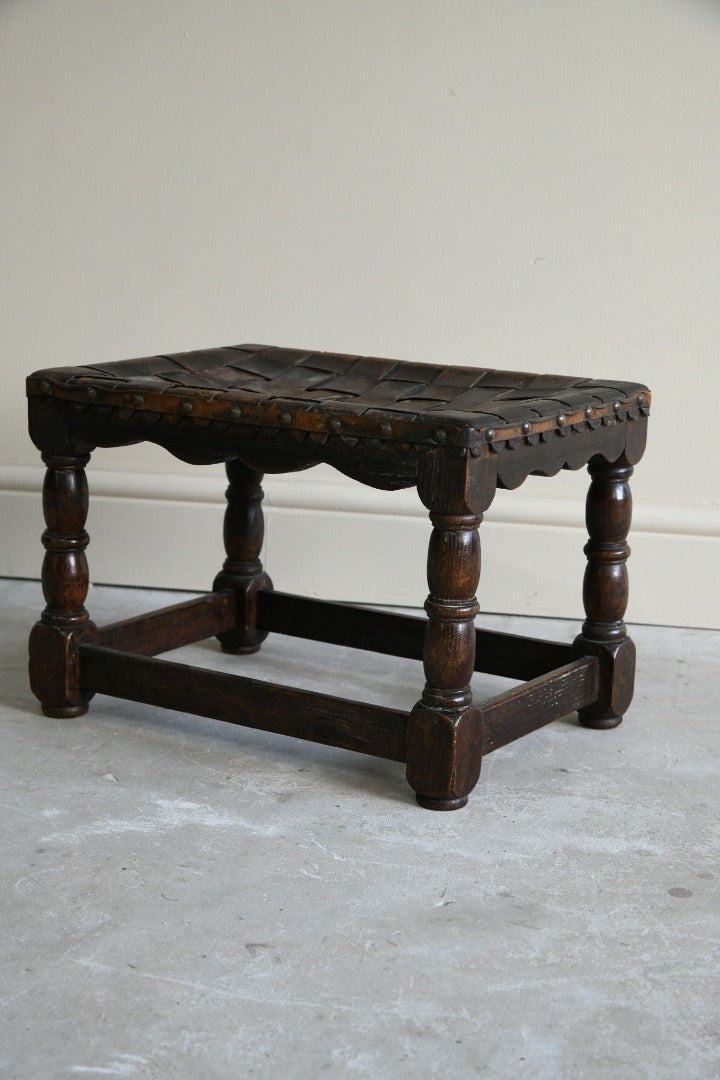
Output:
x,y
444,730
54,640
605,591
242,570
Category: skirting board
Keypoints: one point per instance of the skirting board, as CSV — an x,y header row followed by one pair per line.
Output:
x,y
336,540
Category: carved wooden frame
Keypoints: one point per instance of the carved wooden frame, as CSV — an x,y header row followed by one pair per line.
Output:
x,y
445,736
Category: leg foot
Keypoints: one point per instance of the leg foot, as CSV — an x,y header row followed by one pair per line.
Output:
x,y
602,724
617,681
238,650
441,804
445,730
444,755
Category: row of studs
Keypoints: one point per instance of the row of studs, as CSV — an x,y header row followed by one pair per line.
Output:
x,y
590,413
385,428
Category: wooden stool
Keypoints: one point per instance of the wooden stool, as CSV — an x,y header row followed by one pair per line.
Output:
x,y
456,433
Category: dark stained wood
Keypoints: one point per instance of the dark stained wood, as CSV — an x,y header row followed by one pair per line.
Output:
x,y
242,571
445,731
456,433
369,729
454,485
65,622
453,575
65,569
513,656
341,624
608,517
535,704
605,591
508,655
171,627
444,755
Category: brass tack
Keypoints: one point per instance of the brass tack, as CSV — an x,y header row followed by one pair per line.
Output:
x,y
641,399
334,424
137,400
385,428
616,406
439,435
91,392
45,386
236,412
526,427
186,407
560,419
589,412
285,418
490,434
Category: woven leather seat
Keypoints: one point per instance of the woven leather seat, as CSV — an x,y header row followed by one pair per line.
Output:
x,y
360,396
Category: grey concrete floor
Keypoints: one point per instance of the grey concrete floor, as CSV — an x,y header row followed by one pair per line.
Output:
x,y
184,899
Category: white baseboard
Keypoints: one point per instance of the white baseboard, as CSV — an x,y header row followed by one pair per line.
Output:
x,y
343,541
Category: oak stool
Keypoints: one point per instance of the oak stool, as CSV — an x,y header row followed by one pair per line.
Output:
x,y
456,433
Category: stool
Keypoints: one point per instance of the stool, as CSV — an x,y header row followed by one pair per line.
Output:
x,y
456,433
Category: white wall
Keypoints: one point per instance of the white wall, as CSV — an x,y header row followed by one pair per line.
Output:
x,y
531,185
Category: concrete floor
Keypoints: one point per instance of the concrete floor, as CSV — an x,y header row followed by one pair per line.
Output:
x,y
185,899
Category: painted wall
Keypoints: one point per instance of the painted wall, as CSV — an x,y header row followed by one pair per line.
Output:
x,y
531,185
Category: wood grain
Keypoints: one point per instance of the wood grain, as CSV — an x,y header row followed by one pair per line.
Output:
x,y
509,655
605,591
53,659
242,572
171,627
537,703
352,725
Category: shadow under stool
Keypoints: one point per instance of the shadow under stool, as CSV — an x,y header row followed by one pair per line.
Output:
x,y
455,433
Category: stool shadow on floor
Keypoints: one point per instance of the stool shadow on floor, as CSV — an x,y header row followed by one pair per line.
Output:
x,y
384,681
15,692
246,750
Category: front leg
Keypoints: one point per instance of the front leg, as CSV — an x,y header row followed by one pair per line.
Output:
x,y
445,730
